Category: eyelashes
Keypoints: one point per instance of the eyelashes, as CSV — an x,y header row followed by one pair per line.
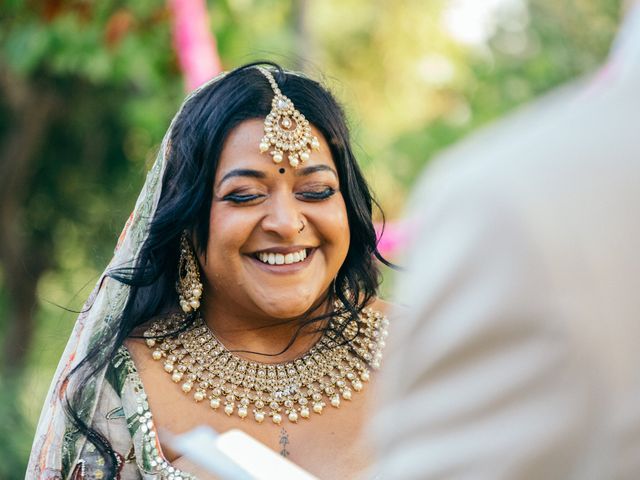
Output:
x,y
308,196
321,195
236,198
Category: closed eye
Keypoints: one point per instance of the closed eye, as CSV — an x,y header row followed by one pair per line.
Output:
x,y
238,198
317,195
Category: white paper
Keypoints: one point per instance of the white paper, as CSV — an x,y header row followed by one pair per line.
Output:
x,y
234,455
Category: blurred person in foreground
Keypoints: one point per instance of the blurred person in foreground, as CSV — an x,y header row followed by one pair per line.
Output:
x,y
520,356
242,295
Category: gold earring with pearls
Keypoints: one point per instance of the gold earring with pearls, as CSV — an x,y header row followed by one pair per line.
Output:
x,y
188,286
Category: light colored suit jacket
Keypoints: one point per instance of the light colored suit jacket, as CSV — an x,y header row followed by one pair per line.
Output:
x,y
520,354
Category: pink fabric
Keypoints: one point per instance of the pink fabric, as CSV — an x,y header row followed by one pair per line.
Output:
x,y
395,237
194,43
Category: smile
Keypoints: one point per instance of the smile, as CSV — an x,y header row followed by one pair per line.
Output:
x,y
272,258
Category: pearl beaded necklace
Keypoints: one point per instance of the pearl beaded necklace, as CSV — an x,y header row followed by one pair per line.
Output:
x,y
328,374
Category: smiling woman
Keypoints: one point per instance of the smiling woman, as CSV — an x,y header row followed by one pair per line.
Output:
x,y
242,295
256,215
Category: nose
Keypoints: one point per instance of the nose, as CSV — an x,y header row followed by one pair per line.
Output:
x,y
284,217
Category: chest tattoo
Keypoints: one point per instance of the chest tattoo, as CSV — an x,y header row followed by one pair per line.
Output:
x,y
284,441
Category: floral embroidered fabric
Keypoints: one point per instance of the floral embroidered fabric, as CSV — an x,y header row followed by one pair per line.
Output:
x,y
122,415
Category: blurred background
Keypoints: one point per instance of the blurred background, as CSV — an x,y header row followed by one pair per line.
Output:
x,y
87,90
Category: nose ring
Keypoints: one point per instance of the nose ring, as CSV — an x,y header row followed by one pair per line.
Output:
x,y
302,225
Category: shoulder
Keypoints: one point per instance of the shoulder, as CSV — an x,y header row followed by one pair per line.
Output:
x,y
139,354
136,344
141,350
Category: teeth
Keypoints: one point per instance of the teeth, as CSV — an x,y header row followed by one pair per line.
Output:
x,y
280,259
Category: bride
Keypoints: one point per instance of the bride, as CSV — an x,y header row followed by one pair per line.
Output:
x,y
242,294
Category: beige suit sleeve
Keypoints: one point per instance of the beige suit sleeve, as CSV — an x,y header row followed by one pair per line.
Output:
x,y
480,381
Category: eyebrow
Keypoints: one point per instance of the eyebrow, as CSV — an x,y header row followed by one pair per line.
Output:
x,y
247,172
242,172
315,168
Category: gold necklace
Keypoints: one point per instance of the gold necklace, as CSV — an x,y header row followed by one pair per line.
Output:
x,y
329,371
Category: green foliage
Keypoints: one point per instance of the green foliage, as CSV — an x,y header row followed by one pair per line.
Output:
x,y
530,52
15,430
110,69
113,74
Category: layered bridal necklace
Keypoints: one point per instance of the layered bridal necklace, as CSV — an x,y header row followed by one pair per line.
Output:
x,y
327,374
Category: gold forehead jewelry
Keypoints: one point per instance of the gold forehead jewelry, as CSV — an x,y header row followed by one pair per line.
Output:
x,y
286,130
329,372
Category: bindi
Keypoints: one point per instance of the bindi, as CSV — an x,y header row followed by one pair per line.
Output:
x,y
281,170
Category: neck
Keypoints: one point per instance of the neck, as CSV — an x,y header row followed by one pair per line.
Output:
x,y
261,339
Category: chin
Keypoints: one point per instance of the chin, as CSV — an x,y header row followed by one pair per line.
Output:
x,y
292,310
292,305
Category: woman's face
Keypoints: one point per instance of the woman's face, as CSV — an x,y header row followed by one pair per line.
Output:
x,y
260,259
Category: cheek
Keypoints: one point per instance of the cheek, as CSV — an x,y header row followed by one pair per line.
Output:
x,y
227,233
335,225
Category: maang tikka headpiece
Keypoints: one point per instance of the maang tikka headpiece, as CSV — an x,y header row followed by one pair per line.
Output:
x,y
286,131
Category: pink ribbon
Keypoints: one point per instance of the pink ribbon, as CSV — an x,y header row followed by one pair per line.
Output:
x,y
194,43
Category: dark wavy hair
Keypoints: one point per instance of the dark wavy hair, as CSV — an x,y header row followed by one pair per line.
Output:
x,y
196,141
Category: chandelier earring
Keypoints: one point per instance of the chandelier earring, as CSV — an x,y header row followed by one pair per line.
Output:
x,y
188,286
